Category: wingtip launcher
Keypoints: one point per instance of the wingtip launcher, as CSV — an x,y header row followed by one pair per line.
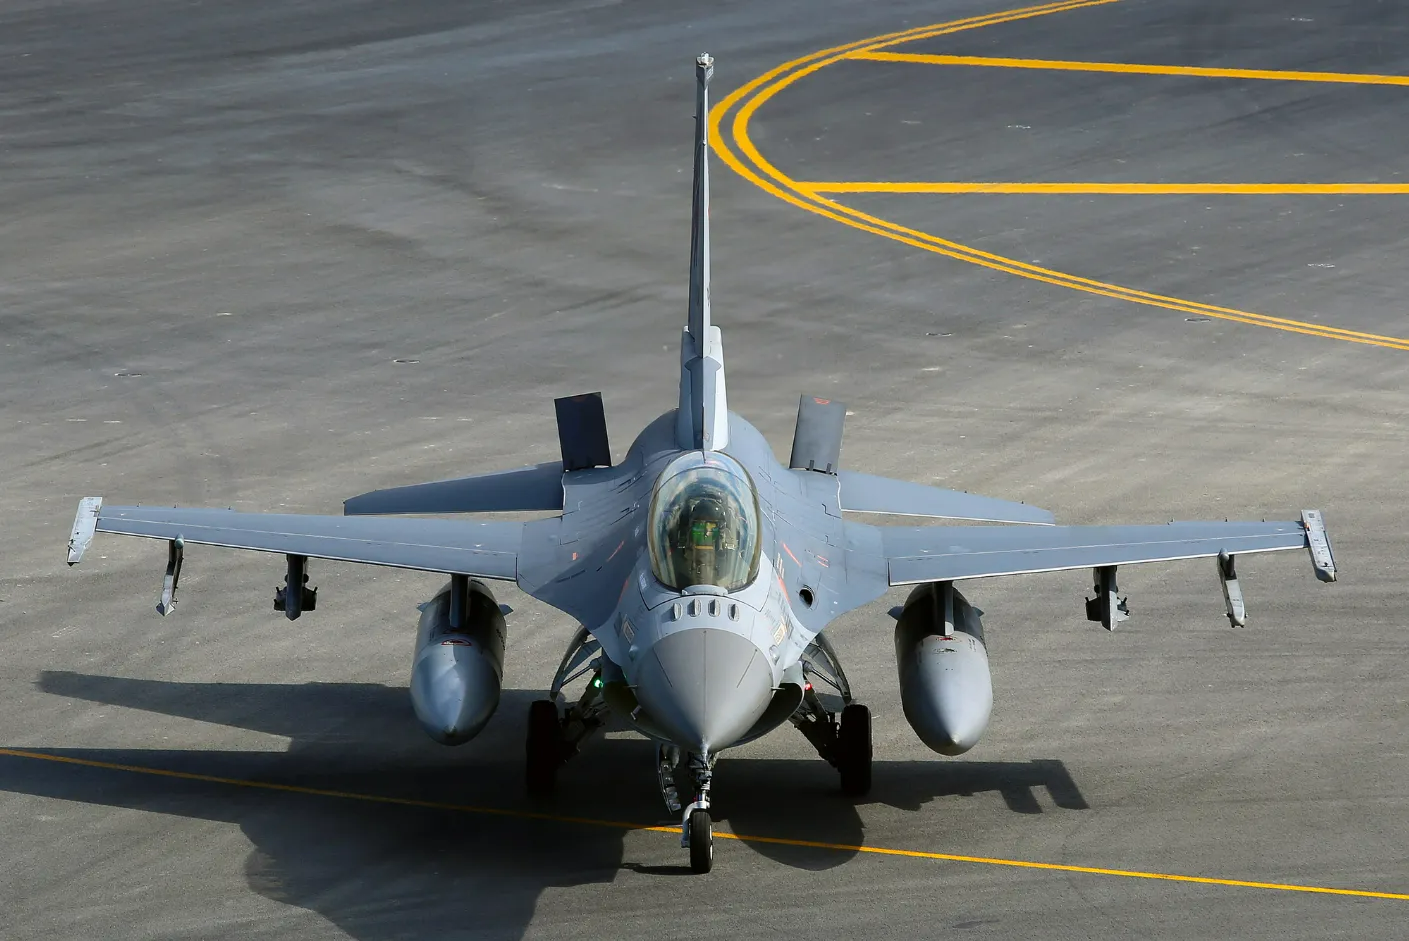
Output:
x,y
1323,562
85,524
1319,545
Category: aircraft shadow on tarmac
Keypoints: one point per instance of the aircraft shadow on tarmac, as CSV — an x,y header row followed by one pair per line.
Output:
x,y
378,871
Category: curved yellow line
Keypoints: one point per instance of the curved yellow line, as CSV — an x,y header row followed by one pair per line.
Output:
x,y
749,97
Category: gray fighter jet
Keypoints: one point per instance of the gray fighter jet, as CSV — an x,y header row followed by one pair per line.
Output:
x,y
701,572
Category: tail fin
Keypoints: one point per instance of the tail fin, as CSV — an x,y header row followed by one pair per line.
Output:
x,y
703,419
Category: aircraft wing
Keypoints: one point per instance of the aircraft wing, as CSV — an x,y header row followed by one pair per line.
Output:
x,y
486,550
866,493
945,553
539,487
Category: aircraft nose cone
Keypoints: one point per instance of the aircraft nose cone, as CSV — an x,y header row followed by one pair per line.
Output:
x,y
705,686
453,691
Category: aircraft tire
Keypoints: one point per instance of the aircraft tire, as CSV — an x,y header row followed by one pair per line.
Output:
x,y
544,748
701,842
854,750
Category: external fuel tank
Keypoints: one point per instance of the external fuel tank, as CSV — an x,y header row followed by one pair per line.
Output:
x,y
456,674
945,687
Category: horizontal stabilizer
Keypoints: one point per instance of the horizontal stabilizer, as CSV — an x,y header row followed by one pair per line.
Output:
x,y
865,493
539,487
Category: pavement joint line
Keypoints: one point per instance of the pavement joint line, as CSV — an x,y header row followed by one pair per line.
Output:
x,y
749,163
1135,68
1094,188
675,830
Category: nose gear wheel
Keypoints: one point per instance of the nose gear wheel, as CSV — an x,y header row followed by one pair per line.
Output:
x,y
701,842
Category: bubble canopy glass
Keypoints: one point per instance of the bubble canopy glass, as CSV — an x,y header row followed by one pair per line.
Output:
x,y
704,523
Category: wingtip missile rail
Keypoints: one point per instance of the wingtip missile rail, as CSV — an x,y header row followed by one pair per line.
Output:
x,y
85,524
1318,543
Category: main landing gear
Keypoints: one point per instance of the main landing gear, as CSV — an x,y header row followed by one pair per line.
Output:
x,y
546,748
842,738
836,725
853,749
553,738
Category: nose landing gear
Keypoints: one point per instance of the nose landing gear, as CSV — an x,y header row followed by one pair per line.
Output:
x,y
696,826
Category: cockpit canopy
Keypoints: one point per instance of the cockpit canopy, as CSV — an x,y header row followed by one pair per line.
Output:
x,y
704,523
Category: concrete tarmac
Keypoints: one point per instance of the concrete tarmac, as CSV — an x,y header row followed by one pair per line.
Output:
x,y
269,255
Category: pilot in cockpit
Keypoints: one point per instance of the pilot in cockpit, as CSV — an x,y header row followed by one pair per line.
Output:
x,y
706,520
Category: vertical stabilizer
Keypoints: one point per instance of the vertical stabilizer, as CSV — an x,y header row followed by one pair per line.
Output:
x,y
703,420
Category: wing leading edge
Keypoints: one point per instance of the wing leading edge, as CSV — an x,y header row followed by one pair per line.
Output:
x,y
946,553
484,550
866,493
539,487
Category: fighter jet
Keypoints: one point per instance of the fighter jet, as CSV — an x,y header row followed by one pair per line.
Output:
x,y
701,572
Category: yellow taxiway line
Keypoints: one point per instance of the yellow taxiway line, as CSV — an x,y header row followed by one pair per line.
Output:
x,y
1135,68
749,163
674,830
1125,189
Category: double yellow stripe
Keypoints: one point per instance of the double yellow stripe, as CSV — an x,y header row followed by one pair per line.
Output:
x,y
752,166
1126,189
1132,68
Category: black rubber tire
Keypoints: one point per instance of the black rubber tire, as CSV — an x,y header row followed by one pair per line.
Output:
x,y
701,842
854,750
544,748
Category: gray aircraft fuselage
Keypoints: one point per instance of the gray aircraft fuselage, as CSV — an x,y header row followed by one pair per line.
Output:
x,y
703,662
